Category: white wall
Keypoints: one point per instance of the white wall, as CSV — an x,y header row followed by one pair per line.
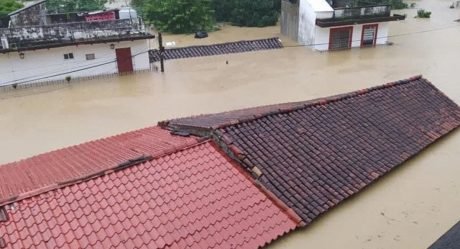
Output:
x,y
309,11
383,32
307,23
322,35
44,64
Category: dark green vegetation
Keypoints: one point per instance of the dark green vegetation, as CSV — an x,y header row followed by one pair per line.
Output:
x,y
177,16
7,6
421,13
250,13
186,16
65,6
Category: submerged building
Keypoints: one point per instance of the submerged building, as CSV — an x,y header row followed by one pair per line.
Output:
x,y
336,24
238,179
72,50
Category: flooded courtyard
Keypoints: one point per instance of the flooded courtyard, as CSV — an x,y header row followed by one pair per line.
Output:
x,y
410,208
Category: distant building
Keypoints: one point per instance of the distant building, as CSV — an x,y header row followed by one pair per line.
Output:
x,y
37,13
336,24
75,50
31,15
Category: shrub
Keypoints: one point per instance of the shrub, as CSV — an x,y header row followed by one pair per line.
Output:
x,y
421,13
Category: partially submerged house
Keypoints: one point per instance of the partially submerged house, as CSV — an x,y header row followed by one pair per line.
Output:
x,y
238,179
73,50
336,24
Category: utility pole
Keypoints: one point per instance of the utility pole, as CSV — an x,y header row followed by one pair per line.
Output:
x,y
162,51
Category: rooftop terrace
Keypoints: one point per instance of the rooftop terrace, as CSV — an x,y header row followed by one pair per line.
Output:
x,y
59,35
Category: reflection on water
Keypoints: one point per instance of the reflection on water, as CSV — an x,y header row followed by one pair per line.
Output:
x,y
408,209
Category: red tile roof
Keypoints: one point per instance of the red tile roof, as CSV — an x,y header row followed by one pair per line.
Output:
x,y
316,155
45,171
192,198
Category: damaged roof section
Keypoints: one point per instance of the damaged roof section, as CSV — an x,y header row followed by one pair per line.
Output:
x,y
45,171
315,154
191,198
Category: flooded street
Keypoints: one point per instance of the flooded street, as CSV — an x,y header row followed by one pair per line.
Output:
x,y
410,208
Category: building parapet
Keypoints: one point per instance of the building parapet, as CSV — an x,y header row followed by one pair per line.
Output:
x,y
58,35
333,22
360,12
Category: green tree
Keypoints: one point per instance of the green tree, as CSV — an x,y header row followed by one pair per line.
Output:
x,y
8,6
177,16
254,13
66,6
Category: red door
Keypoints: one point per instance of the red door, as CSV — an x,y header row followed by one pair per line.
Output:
x,y
124,60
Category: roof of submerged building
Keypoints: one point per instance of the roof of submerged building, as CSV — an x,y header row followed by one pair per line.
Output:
x,y
192,198
237,179
315,154
46,171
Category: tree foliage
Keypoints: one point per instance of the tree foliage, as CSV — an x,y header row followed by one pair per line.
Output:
x,y
251,13
177,16
185,16
254,13
8,6
66,6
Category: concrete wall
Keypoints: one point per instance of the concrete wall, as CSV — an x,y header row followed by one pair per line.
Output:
x,y
290,19
25,37
322,36
307,23
45,63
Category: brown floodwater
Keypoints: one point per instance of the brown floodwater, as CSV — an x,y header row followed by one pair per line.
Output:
x,y
410,208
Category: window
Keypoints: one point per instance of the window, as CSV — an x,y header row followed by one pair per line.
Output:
x,y
90,57
68,56
340,38
369,36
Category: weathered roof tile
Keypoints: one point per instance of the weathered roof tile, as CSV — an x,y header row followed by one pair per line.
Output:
x,y
315,154
208,204
45,171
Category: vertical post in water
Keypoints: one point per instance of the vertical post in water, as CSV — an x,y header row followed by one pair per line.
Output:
x,y
162,50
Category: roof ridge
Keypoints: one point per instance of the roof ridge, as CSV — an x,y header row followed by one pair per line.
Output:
x,y
237,164
82,143
122,166
316,102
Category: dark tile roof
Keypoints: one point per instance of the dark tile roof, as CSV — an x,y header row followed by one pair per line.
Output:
x,y
317,154
450,240
192,198
216,49
42,172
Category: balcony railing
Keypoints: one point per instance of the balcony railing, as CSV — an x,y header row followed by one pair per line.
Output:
x,y
362,12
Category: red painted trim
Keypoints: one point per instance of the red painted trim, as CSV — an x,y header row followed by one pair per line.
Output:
x,y
333,30
376,25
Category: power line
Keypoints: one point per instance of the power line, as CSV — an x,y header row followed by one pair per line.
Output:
x,y
32,78
381,37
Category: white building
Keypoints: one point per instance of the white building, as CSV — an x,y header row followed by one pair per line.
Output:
x,y
72,50
336,24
